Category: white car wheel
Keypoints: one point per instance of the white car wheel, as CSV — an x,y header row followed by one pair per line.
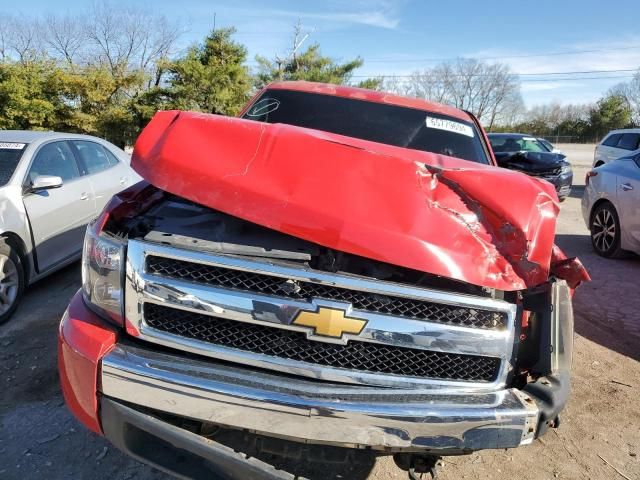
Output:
x,y
12,280
605,231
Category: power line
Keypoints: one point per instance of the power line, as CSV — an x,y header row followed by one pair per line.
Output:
x,y
574,79
579,72
550,54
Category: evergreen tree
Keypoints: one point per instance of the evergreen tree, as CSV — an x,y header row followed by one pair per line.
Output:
x,y
211,77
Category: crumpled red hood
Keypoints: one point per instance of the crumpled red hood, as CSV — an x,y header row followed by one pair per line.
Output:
x,y
475,223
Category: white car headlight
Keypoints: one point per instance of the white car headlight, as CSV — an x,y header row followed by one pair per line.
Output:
x,y
566,168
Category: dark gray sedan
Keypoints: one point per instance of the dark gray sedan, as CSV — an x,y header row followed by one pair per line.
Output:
x,y
529,155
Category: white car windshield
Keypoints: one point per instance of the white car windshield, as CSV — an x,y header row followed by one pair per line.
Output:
x,y
516,144
10,154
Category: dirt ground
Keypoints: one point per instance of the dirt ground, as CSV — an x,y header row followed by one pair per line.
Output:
x,y
599,437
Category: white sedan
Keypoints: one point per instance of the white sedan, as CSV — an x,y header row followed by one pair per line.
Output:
x,y
611,206
51,186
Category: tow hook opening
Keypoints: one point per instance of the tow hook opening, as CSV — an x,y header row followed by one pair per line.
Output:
x,y
419,466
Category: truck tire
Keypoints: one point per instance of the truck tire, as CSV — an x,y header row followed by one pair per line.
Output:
x,y
12,280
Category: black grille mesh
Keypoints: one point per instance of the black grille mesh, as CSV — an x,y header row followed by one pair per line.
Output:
x,y
370,302
363,356
546,173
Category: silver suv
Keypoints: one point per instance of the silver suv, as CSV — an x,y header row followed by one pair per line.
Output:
x,y
617,143
51,186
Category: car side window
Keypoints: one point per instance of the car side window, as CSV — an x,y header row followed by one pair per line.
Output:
x,y
113,160
93,156
629,141
57,159
612,140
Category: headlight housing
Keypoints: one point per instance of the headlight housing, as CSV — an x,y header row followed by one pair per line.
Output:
x,y
103,259
566,168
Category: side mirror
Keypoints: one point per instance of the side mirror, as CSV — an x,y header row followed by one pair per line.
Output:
x,y
45,182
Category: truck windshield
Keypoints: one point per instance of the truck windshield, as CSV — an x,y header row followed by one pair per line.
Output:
x,y
376,122
10,154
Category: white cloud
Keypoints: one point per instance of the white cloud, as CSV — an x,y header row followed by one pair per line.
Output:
x,y
611,55
618,54
375,13
373,18
546,86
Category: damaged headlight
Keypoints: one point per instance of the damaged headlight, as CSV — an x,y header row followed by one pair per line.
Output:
x,y
102,271
566,168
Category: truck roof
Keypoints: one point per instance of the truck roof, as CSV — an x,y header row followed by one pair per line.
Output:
x,y
371,96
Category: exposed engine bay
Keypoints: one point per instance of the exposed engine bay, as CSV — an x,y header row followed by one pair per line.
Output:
x,y
181,223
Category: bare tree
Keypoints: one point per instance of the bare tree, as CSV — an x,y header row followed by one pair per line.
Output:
x,y
157,46
504,102
65,37
5,33
630,91
487,90
159,43
554,114
275,69
115,35
427,84
130,39
23,38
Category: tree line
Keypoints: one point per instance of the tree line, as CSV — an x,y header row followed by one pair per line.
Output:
x,y
489,90
107,71
492,93
583,123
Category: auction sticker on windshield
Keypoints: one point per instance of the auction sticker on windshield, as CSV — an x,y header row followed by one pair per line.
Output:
x,y
449,126
12,146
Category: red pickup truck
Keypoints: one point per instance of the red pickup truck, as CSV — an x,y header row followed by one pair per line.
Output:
x,y
336,271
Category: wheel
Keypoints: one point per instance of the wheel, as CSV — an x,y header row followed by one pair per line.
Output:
x,y
12,281
605,231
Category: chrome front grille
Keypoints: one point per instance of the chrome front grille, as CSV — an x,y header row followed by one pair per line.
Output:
x,y
362,356
244,311
360,300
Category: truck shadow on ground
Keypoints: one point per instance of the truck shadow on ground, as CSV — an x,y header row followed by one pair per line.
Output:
x,y
301,461
328,471
606,309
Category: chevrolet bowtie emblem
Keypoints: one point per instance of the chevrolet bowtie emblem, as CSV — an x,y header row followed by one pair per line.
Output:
x,y
329,322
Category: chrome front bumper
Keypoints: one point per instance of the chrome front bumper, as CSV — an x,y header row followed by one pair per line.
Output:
x,y
319,413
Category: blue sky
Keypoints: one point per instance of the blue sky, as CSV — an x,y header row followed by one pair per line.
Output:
x,y
397,37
